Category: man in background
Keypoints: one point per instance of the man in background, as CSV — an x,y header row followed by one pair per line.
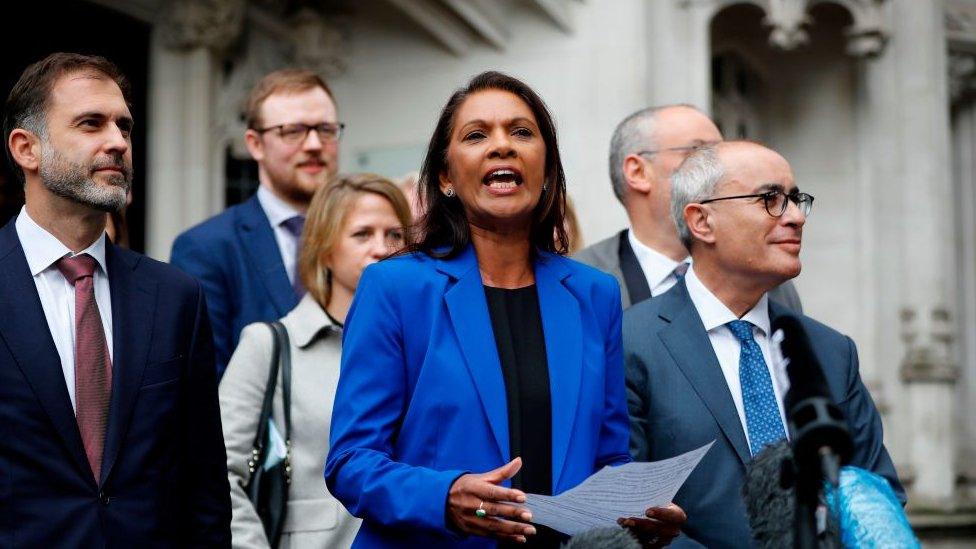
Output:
x,y
245,257
648,257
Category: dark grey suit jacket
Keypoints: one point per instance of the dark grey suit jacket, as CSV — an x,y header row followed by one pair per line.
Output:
x,y
678,400
615,256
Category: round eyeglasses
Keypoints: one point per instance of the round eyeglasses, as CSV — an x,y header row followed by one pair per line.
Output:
x,y
775,201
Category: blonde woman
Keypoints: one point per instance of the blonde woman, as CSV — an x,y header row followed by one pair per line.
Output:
x,y
351,223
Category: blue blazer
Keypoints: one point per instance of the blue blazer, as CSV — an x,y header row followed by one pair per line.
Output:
x,y
235,257
421,397
679,400
164,472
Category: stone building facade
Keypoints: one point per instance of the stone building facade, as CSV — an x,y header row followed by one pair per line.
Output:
x,y
873,102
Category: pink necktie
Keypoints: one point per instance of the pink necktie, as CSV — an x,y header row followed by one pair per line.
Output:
x,y
93,367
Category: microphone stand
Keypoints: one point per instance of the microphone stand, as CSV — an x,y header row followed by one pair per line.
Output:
x,y
819,441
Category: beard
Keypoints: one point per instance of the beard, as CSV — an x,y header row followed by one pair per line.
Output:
x,y
74,181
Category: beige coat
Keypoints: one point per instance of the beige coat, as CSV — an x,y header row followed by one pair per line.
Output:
x,y
315,518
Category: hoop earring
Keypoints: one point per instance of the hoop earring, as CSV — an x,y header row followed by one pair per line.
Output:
x,y
449,192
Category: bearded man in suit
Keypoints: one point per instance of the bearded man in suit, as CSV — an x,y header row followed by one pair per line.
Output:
x,y
245,257
108,399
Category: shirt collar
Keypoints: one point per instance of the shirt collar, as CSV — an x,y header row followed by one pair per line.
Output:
x,y
307,322
656,266
715,314
42,249
277,210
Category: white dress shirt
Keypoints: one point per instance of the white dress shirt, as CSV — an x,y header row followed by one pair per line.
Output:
x,y
657,267
715,315
57,295
279,211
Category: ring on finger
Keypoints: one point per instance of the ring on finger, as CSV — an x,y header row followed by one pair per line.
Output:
x,y
480,512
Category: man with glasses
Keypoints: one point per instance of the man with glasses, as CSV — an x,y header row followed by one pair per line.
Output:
x,y
648,257
245,257
699,359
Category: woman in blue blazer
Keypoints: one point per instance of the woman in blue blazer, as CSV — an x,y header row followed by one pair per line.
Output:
x,y
481,345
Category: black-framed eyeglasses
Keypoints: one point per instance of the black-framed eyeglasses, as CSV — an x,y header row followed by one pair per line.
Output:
x,y
687,149
293,134
775,201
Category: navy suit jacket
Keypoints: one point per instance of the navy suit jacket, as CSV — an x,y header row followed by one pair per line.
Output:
x,y
235,257
679,400
164,471
421,398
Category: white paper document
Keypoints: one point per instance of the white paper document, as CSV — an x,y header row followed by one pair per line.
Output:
x,y
614,492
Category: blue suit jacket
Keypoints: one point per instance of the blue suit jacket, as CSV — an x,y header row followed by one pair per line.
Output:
x,y
164,473
679,400
421,397
235,257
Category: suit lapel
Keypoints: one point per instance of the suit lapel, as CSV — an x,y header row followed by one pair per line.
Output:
x,y
258,240
28,337
634,277
563,332
133,303
468,309
687,342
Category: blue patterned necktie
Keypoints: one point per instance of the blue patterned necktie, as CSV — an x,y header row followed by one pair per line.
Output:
x,y
762,414
294,225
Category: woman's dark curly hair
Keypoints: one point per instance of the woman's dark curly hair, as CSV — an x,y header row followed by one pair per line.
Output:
x,y
443,230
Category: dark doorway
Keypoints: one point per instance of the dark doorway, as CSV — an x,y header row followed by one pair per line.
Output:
x,y
35,29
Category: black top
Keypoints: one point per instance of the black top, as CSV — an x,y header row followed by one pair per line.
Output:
x,y
517,323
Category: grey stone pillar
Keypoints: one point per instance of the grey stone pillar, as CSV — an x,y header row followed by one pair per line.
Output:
x,y
928,265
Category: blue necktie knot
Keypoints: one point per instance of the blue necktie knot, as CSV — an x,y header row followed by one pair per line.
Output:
x,y
294,225
742,330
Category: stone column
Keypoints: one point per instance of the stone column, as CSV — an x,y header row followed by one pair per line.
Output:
x,y
680,56
181,184
185,180
928,265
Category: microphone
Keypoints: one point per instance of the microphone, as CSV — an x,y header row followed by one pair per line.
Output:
x,y
820,437
868,514
603,538
771,504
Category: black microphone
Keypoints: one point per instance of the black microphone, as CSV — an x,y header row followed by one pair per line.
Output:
x,y
603,538
770,505
820,438
818,430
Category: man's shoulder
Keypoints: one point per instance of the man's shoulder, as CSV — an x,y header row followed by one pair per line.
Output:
x,y
217,228
168,278
645,313
603,254
815,330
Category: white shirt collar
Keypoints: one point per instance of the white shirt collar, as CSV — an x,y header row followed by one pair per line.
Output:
x,y
656,266
43,249
715,314
277,210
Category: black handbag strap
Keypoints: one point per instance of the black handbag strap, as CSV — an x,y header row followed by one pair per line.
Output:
x,y
269,390
281,342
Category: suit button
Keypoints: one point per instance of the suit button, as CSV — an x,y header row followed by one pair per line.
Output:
x,y
103,498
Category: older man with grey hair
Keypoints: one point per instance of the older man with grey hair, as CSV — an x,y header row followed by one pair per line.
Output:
x,y
646,148
698,358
